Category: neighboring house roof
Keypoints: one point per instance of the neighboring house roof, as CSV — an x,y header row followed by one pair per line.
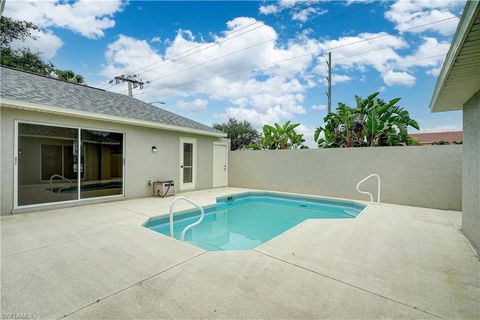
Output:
x,y
459,78
31,91
431,137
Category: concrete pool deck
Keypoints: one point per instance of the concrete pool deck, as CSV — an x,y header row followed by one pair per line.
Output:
x,y
98,262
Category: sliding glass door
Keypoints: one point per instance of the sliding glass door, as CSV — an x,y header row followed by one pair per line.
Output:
x,y
56,163
103,163
44,164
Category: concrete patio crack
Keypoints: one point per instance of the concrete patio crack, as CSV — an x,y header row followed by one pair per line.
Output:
x,y
349,284
133,285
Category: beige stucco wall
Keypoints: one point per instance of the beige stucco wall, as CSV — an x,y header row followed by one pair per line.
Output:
x,y
141,164
417,176
471,170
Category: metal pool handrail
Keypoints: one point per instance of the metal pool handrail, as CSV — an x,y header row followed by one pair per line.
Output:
x,y
366,192
202,214
58,176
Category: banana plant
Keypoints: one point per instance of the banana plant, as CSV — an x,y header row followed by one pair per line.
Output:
x,y
280,137
373,122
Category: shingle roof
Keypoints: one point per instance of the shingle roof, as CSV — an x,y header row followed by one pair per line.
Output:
x,y
27,87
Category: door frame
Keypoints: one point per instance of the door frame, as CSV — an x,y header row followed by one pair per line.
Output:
x,y
192,185
16,136
218,143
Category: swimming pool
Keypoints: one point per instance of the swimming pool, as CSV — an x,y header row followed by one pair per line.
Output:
x,y
245,221
88,187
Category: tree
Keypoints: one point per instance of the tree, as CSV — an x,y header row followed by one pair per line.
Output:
x,y
24,59
241,134
373,122
280,137
69,75
14,30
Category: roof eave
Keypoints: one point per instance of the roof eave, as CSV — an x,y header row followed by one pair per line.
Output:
x,y
467,19
96,116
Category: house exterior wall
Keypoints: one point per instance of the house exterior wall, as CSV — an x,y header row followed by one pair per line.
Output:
x,y
471,171
416,176
141,164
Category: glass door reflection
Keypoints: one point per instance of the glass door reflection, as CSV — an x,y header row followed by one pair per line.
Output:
x,y
102,163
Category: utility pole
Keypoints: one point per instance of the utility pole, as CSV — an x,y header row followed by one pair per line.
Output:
x,y
2,6
132,81
329,79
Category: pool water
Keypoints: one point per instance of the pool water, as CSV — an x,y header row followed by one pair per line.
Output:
x,y
89,187
246,221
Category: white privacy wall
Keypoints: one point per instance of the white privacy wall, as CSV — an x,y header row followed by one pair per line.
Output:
x,y
471,170
428,176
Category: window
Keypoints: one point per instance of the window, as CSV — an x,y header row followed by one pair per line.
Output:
x,y
66,164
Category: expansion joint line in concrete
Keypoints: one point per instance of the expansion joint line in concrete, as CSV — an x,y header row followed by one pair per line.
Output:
x,y
133,285
349,284
40,248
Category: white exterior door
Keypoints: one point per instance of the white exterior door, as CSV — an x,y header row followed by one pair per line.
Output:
x,y
188,163
220,164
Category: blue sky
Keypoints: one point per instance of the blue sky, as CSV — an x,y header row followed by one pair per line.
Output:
x,y
259,61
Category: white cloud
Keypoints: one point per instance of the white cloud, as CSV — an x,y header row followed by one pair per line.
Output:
x,y
267,94
350,2
44,42
430,53
87,17
411,13
381,54
307,135
319,107
392,78
339,78
358,53
130,52
280,5
304,14
196,105
156,39
364,49
300,10
287,3
258,119
242,72
269,9
434,71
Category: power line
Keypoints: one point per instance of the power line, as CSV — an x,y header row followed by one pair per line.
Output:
x,y
276,62
301,56
197,46
230,38
216,43
371,86
263,25
193,48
